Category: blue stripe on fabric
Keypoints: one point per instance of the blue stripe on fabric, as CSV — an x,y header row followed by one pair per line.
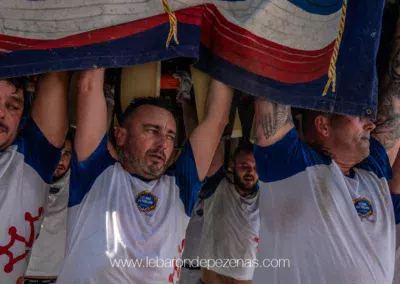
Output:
x,y
357,82
148,46
287,157
38,152
302,95
320,7
396,207
84,174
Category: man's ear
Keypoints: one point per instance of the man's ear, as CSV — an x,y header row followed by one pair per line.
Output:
x,y
321,124
121,135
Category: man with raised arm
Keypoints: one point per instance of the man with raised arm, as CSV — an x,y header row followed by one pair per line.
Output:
x,y
231,223
127,218
327,214
47,255
29,155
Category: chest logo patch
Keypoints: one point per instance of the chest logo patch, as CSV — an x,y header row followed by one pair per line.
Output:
x,y
146,201
363,207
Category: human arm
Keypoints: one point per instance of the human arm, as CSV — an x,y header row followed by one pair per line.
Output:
x,y
205,137
49,109
394,186
272,121
91,113
218,159
387,130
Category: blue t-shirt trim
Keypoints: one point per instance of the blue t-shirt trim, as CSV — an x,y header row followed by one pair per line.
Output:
x,y
85,173
186,178
212,183
285,158
38,152
377,161
396,207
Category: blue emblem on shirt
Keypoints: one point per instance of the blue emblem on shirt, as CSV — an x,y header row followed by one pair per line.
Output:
x,y
363,207
146,201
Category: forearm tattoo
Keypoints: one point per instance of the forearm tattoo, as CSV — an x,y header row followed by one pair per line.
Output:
x,y
274,117
388,121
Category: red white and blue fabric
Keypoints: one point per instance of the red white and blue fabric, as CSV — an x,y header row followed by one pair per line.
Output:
x,y
279,49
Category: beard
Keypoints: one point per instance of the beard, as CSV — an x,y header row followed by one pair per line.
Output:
x,y
142,168
247,188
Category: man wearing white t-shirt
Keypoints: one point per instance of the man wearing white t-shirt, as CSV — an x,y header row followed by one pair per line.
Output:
x,y
134,211
191,272
29,154
47,255
231,224
328,205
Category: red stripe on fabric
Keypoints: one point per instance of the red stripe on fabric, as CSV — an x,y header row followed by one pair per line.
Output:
x,y
20,41
211,12
188,16
261,56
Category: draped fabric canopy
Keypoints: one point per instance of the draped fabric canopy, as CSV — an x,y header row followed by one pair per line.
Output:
x,y
289,51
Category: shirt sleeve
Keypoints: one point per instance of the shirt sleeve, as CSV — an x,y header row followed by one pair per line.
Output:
x,y
285,158
377,161
211,184
38,152
396,207
186,178
84,174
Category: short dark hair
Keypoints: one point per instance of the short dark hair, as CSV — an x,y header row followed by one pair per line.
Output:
x,y
140,101
18,82
308,117
246,148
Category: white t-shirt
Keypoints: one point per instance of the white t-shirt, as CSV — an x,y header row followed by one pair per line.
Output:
x,y
26,169
230,231
331,227
117,220
191,251
191,273
397,262
47,255
193,234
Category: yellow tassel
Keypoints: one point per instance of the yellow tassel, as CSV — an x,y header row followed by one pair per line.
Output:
x,y
173,24
332,64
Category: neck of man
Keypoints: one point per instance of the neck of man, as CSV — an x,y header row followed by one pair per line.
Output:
x,y
243,192
129,167
344,165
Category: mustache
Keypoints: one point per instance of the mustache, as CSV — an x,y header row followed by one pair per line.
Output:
x,y
161,154
3,127
61,166
248,176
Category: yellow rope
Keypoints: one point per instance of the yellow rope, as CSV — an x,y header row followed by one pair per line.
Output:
x,y
332,64
173,24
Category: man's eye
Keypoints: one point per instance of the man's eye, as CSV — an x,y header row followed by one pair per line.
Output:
x,y
170,137
152,131
13,107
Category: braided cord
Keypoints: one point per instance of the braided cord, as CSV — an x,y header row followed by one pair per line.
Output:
x,y
173,24
332,64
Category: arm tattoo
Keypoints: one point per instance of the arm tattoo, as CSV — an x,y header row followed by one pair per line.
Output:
x,y
274,117
388,123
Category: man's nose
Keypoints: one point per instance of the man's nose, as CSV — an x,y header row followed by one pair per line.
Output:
x,y
370,125
2,111
161,141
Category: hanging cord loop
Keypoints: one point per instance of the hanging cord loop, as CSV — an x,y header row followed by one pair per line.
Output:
x,y
173,24
332,64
